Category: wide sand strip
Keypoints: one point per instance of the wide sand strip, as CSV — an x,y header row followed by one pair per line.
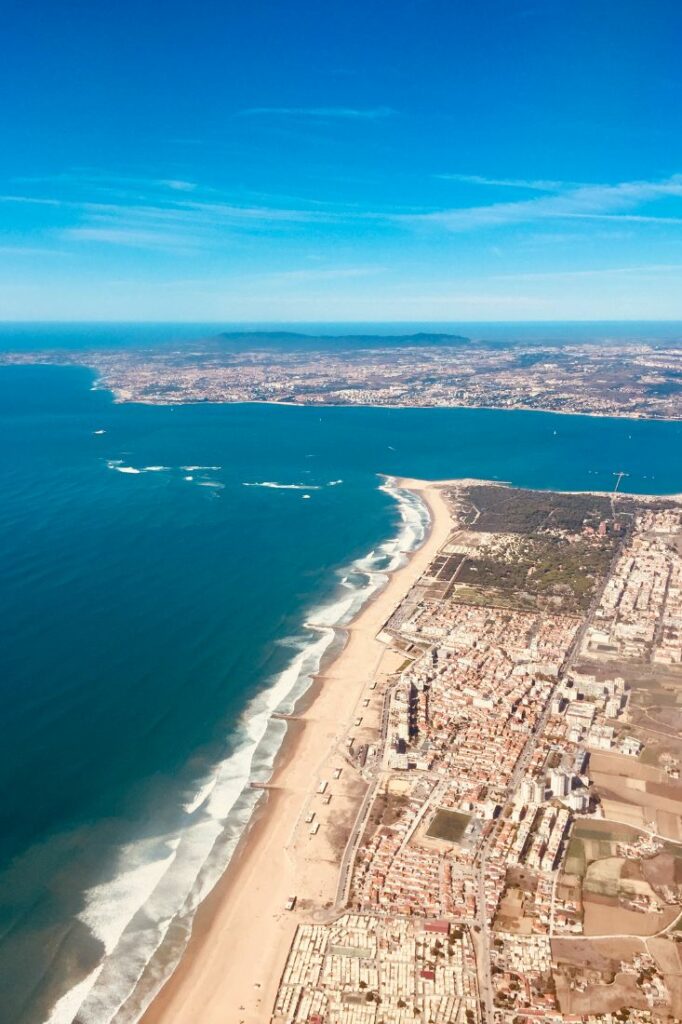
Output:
x,y
232,966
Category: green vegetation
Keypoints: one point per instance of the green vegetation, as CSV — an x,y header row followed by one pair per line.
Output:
x,y
612,832
487,597
506,510
548,571
561,549
650,755
449,825
576,861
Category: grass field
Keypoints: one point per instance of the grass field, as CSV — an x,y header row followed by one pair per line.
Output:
x,y
448,825
594,841
576,861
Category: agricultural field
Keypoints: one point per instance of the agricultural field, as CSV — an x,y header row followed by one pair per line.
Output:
x,y
628,792
593,841
629,883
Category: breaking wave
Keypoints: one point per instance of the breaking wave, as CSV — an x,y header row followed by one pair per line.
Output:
x,y
143,915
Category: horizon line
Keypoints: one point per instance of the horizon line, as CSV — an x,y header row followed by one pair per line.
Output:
x,y
351,321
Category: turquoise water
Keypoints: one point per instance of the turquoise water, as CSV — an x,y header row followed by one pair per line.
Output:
x,y
154,614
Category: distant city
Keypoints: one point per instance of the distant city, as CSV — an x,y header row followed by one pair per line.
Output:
x,y
634,379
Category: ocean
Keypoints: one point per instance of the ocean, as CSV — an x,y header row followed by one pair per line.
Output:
x,y
170,576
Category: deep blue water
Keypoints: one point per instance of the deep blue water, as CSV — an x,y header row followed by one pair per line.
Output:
x,y
18,337
141,612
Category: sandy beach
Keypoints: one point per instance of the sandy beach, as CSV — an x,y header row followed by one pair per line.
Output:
x,y
231,969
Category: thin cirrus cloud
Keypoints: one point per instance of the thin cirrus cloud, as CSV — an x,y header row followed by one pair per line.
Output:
x,y
588,202
186,224
314,274
101,181
647,268
532,185
181,219
348,113
136,238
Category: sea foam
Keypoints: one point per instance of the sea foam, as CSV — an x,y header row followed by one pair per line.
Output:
x,y
143,915
273,485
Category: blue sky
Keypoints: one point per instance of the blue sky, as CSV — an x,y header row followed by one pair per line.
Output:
x,y
398,160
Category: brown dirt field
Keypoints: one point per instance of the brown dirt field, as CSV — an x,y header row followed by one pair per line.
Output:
x,y
614,788
619,764
521,878
632,869
667,954
608,790
622,993
663,869
569,888
603,917
513,925
631,814
672,790
614,829
669,825
668,717
600,954
671,743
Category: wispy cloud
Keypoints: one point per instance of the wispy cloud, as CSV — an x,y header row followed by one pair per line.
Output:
x,y
177,185
134,237
177,215
628,218
35,200
532,184
593,202
101,180
29,250
312,274
642,270
350,113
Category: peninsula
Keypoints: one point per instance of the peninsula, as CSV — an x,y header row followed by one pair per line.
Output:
x,y
636,379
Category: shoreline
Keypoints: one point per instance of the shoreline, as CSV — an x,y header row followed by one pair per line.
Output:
x,y
101,384
241,933
403,405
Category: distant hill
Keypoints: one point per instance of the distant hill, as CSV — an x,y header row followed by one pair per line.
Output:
x,y
245,340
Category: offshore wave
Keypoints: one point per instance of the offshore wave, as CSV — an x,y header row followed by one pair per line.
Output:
x,y
143,916
273,485
198,475
119,466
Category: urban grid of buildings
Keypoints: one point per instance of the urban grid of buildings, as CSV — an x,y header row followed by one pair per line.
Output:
x,y
518,854
630,379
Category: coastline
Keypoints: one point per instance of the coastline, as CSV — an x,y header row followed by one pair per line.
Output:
x,y
100,383
611,415
242,933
